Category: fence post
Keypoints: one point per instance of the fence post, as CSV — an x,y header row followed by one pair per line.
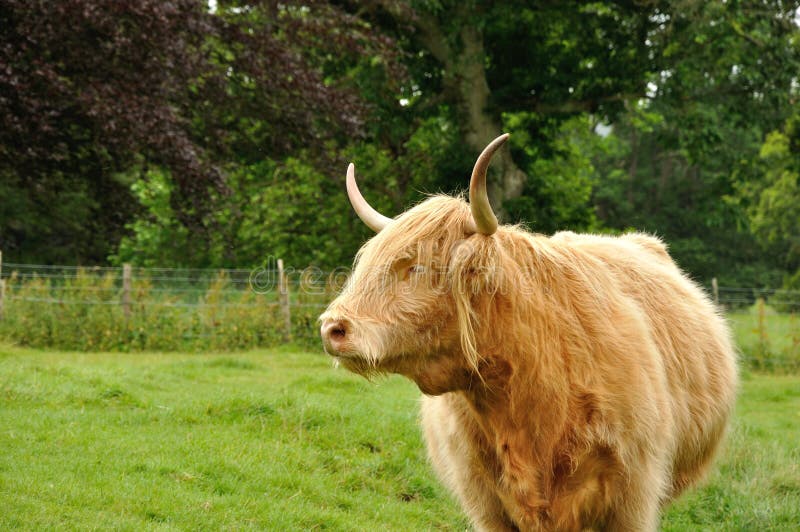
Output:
x,y
2,287
283,296
715,290
126,290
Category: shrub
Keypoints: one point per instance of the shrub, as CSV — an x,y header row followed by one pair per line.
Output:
x,y
82,310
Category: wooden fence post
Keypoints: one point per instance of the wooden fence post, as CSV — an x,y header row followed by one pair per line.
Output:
x,y
126,290
2,287
283,296
715,290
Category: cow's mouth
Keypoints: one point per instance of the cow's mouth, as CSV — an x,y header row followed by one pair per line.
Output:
x,y
357,364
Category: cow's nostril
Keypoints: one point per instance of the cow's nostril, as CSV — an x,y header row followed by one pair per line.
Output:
x,y
334,332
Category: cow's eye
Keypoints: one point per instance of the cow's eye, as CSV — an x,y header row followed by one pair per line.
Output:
x,y
416,268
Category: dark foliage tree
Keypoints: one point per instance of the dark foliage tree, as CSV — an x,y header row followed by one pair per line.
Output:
x,y
92,92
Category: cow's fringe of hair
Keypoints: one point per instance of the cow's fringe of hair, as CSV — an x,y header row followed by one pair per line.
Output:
x,y
437,232
466,324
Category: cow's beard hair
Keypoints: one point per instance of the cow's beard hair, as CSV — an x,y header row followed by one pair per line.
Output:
x,y
359,366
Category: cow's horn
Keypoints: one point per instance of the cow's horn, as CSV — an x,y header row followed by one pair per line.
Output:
x,y
484,220
374,220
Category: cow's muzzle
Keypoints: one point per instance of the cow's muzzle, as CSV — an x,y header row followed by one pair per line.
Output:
x,y
335,336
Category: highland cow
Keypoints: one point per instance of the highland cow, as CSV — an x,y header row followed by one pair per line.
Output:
x,y
570,382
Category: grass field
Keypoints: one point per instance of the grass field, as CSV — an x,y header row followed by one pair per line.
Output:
x,y
279,440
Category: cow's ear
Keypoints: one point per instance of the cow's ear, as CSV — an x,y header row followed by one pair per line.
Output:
x,y
473,264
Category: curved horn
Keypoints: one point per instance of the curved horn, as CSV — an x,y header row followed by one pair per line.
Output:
x,y
484,220
374,220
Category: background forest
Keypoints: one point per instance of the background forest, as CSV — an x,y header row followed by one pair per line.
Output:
x,y
195,134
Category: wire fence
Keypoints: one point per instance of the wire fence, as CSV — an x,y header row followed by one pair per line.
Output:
x,y
136,308
781,300
310,287
765,325
143,308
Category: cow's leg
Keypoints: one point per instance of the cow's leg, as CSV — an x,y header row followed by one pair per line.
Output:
x,y
639,501
453,441
643,518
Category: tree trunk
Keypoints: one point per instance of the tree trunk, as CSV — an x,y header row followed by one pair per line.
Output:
x,y
465,82
466,77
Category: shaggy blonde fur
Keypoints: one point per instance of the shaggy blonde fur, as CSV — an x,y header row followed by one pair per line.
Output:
x,y
573,382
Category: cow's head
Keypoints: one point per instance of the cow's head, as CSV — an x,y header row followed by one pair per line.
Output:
x,y
409,304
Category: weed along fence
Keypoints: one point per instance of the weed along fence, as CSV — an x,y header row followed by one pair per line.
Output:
x,y
131,308
765,323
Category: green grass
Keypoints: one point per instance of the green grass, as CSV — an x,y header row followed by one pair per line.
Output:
x,y
280,440
266,440
756,482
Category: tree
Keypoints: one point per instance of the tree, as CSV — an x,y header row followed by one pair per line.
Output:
x,y
85,88
216,138
94,93
775,199
547,61
674,85
722,78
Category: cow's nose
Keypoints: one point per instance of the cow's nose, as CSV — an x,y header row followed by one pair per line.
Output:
x,y
334,334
